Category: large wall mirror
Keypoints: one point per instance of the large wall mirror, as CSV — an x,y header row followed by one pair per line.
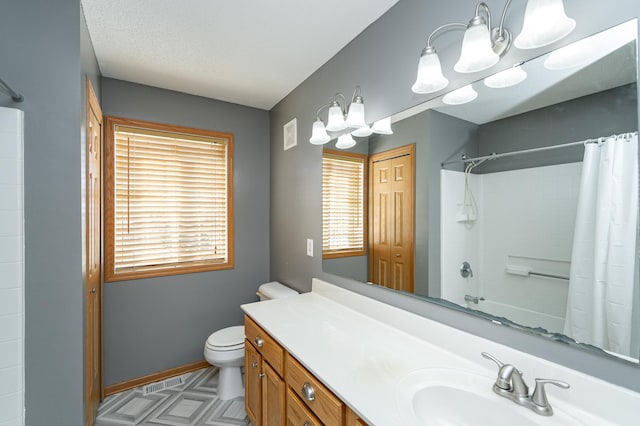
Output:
x,y
521,204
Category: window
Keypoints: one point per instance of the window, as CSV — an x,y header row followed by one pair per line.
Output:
x,y
169,200
343,201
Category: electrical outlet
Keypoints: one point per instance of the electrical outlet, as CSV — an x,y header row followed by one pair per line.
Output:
x,y
309,247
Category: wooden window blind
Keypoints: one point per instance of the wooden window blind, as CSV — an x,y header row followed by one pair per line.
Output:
x,y
343,201
169,200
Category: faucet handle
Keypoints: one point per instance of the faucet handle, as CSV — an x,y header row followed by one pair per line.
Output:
x,y
503,381
487,355
539,396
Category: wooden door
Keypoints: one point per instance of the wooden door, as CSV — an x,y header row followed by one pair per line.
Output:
x,y
273,397
391,210
252,383
93,288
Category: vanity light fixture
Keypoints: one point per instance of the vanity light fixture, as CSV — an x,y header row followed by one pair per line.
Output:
x,y
507,78
545,22
460,96
341,117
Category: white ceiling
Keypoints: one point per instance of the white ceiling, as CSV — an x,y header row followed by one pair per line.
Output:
x,y
248,52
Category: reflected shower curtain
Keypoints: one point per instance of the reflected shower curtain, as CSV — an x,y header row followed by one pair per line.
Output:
x,y
599,305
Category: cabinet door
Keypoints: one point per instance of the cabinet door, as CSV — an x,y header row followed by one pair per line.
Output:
x,y
273,397
253,379
352,419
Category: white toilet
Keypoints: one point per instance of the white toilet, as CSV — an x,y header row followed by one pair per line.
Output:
x,y
225,348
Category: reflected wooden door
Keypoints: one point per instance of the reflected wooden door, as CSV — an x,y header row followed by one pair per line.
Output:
x,y
391,210
93,288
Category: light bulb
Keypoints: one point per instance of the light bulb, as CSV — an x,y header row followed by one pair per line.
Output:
x,y
461,96
319,134
362,132
507,78
476,53
382,127
430,78
335,120
345,142
545,22
355,117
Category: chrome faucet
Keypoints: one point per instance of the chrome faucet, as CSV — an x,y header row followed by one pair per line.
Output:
x,y
511,385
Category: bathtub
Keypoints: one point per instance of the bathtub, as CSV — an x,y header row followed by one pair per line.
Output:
x,y
520,315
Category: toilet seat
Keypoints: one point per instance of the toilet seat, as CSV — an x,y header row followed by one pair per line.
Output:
x,y
227,339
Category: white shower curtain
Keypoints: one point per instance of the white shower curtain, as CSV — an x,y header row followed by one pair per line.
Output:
x,y
599,305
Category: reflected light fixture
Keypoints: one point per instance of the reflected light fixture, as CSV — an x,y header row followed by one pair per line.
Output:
x,y
341,117
383,127
460,96
362,132
507,78
345,141
484,45
319,135
572,55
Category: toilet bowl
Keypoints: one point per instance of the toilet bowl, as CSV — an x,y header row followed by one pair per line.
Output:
x,y
225,348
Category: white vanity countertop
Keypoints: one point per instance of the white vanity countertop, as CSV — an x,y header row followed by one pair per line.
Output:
x,y
361,349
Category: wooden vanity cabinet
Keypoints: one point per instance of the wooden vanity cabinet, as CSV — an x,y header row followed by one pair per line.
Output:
x,y
279,390
264,385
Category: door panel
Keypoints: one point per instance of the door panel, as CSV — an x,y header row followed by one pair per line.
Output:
x,y
392,219
93,287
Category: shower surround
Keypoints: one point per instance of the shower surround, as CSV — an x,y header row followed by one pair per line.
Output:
x,y
11,267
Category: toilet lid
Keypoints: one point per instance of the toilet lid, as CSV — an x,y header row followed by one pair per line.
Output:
x,y
227,337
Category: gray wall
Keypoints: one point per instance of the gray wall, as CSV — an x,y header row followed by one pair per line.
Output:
x,y
604,113
40,51
154,324
386,82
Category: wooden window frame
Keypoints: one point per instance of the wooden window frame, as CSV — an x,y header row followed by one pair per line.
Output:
x,y
335,254
109,183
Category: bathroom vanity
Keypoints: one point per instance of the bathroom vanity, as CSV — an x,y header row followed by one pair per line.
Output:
x,y
338,358
279,390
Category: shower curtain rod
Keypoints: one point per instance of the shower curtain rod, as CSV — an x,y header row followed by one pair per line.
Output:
x,y
17,97
525,151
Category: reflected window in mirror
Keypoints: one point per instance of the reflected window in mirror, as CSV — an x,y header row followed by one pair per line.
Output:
x,y
343,204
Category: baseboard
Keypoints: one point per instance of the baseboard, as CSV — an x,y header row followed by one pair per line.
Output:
x,y
155,377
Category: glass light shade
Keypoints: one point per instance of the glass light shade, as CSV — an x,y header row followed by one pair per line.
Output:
x,y
507,78
335,121
382,127
345,142
544,23
430,78
460,96
476,53
355,116
362,132
573,55
319,134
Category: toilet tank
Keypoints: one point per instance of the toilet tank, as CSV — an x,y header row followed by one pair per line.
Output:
x,y
275,290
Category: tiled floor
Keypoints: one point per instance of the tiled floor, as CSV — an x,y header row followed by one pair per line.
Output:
x,y
194,403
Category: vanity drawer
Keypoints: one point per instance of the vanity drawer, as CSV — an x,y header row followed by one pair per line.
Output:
x,y
270,350
313,393
297,413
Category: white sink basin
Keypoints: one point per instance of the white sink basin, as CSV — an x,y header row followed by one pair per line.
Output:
x,y
443,397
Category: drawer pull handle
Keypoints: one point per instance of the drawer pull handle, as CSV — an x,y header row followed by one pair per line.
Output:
x,y
306,423
254,364
259,341
307,392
